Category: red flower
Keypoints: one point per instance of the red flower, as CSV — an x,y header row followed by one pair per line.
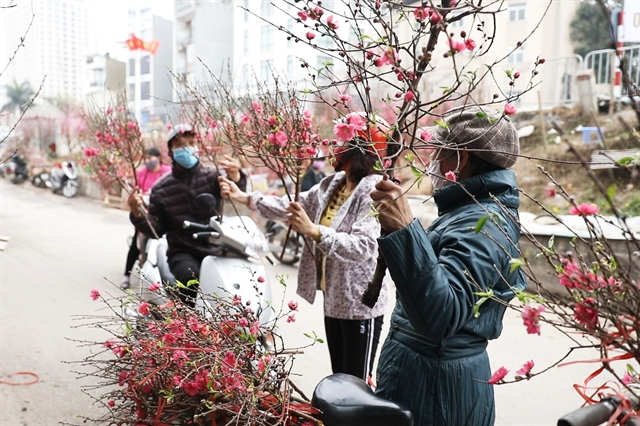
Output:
x,y
303,15
421,14
585,209
261,279
144,308
293,305
451,176
470,44
550,191
526,368
111,403
95,294
498,375
409,96
310,35
291,318
531,318
586,313
154,286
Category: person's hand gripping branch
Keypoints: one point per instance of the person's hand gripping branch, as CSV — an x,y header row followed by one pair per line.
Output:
x,y
232,167
230,191
394,212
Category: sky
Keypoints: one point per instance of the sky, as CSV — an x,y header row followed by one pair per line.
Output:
x,y
108,21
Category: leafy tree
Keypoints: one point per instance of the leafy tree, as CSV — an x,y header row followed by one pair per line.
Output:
x,y
590,29
20,95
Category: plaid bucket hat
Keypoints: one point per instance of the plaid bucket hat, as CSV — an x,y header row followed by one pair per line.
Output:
x,y
483,131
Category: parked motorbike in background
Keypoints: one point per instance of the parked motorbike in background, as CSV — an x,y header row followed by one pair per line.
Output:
x,y
286,250
63,178
15,169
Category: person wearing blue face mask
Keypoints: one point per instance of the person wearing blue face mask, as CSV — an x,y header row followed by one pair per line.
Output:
x,y
172,201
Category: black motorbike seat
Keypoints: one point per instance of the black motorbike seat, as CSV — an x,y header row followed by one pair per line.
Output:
x,y
346,400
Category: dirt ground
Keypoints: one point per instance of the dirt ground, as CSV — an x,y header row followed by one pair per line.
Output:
x,y
561,164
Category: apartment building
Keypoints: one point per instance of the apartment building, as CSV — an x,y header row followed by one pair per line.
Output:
x,y
105,76
543,29
149,79
55,46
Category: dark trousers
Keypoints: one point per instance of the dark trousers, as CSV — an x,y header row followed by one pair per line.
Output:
x,y
186,267
133,254
353,344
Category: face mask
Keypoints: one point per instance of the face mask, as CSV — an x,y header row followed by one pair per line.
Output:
x,y
185,157
151,165
433,170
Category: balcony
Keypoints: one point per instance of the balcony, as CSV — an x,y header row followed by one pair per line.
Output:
x,y
184,8
184,37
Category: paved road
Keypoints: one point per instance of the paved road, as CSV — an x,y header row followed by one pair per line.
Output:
x,y
59,249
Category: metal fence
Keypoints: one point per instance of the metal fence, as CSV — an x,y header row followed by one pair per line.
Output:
x,y
603,63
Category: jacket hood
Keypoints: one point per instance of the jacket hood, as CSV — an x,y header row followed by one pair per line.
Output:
x,y
501,184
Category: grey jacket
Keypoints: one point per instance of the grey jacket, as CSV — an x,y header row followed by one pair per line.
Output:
x,y
349,245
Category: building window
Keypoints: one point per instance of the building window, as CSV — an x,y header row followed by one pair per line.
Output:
x,y
515,56
246,42
145,64
266,74
145,91
245,74
98,77
132,67
131,95
266,38
517,11
456,24
266,8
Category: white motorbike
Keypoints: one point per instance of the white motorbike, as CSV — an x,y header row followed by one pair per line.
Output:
x,y
234,275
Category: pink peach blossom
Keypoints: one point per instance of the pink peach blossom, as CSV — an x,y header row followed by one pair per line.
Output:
x,y
451,176
409,96
291,318
421,14
526,368
509,109
331,24
457,46
154,286
531,317
345,97
310,35
584,209
470,44
344,131
499,374
293,305
303,15
95,294
426,136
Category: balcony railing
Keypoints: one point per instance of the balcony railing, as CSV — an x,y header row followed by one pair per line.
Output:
x,y
184,7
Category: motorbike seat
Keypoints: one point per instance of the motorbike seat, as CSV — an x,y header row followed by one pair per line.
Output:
x,y
346,400
163,264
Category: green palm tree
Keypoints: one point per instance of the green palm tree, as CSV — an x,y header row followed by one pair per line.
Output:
x,y
19,94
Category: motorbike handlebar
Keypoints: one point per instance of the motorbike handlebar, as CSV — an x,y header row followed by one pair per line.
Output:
x,y
205,235
596,414
197,226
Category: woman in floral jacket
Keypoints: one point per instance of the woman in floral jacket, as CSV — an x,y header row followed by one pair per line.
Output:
x,y
341,251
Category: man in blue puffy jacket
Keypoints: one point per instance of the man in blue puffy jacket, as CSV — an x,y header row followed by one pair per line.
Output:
x,y
434,360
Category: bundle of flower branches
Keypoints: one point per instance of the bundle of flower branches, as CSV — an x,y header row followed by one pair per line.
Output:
x,y
173,364
117,149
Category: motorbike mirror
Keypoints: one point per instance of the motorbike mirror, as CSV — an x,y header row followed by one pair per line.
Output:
x,y
207,203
